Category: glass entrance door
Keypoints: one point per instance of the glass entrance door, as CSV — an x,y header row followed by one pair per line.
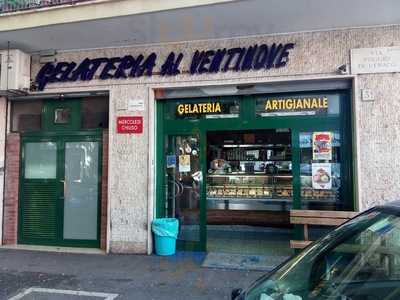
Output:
x,y
183,185
60,191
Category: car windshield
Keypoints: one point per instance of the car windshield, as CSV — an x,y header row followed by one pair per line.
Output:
x,y
359,260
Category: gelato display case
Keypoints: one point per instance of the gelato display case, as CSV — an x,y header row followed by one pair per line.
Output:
x,y
250,172
249,192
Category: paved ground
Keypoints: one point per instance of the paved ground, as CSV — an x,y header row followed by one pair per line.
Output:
x,y
132,277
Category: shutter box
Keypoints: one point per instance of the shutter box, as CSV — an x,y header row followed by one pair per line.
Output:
x,y
15,69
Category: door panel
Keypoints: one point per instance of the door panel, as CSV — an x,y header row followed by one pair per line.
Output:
x,y
81,190
183,186
40,217
39,191
60,190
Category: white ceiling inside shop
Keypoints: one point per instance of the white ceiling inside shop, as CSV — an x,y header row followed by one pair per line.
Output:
x,y
238,18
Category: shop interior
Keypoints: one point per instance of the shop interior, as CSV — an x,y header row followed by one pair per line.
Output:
x,y
249,191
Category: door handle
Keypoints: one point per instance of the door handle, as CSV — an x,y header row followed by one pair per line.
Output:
x,y
64,187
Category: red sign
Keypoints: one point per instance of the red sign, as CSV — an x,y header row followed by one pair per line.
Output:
x,y
130,125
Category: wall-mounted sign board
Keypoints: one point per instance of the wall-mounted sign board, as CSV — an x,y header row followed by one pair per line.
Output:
x,y
136,104
238,59
129,124
375,60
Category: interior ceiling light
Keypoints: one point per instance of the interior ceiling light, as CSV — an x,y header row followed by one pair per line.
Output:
x,y
219,90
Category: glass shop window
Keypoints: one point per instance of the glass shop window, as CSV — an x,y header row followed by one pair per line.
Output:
x,y
249,170
94,113
320,170
26,116
62,115
299,105
202,109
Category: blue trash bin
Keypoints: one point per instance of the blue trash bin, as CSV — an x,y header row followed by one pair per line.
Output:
x,y
165,233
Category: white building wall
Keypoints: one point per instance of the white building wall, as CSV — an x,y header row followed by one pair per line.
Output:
x,y
316,55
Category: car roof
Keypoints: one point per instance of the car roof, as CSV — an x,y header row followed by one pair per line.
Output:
x,y
393,206
394,203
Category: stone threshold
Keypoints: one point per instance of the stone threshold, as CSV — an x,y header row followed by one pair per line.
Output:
x,y
54,249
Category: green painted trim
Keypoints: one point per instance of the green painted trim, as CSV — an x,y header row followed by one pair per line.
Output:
x,y
160,160
247,109
297,231
61,176
296,159
203,193
189,246
354,155
49,134
183,126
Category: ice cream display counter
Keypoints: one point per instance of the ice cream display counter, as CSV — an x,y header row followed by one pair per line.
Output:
x,y
250,171
249,192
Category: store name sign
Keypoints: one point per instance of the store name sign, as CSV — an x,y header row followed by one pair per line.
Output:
x,y
297,104
198,108
255,57
129,124
375,60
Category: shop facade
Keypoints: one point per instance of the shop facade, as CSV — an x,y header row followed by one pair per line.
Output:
x,y
232,131
260,157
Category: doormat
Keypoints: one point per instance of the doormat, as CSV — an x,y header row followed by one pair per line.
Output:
x,y
242,261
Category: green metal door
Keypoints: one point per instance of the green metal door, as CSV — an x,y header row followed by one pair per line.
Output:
x,y
60,182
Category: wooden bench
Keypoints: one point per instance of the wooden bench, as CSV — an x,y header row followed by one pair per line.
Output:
x,y
316,217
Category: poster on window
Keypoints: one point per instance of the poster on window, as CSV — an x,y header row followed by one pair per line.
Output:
x,y
184,163
322,146
321,176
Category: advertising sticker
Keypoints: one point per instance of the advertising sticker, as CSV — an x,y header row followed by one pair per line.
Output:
x,y
322,146
184,163
321,176
171,161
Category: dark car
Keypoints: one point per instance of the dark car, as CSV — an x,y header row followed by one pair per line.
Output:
x,y
359,260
